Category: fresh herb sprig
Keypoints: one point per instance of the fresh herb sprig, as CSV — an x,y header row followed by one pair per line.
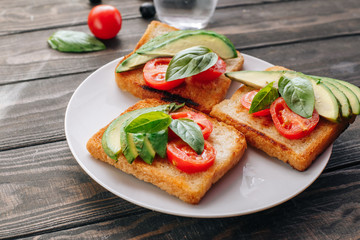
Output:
x,y
190,62
264,98
74,41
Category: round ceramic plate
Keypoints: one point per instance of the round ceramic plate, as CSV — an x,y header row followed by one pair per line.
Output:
x,y
257,183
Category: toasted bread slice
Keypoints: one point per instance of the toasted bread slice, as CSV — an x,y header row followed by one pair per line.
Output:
x,y
229,144
197,95
261,133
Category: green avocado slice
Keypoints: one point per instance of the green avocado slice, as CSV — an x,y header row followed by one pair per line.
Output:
x,y
349,91
169,44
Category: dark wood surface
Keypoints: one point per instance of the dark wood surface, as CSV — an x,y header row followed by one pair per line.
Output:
x,y
44,192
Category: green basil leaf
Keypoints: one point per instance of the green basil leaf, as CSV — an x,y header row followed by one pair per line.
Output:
x,y
190,62
298,94
189,132
166,108
174,107
149,123
74,41
159,141
264,98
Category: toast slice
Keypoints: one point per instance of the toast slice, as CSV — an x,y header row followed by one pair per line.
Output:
x,y
229,144
261,133
197,95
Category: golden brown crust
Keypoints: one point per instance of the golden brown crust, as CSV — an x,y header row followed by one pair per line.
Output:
x,y
199,96
188,187
261,133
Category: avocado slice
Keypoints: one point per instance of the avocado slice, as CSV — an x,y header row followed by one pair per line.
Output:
x,y
345,107
352,97
325,102
352,87
147,152
110,141
139,145
130,150
169,44
256,79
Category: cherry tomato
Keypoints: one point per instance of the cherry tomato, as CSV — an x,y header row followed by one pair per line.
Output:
x,y
154,74
246,100
290,124
212,73
186,159
104,21
205,125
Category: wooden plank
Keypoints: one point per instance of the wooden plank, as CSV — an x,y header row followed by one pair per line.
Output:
x,y
44,189
248,27
33,112
22,15
46,193
273,24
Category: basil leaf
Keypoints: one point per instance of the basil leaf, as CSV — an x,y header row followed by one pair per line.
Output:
x,y
174,107
149,123
159,141
74,41
189,132
298,94
190,62
264,98
166,108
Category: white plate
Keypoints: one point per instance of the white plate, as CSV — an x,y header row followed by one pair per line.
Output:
x,y
258,182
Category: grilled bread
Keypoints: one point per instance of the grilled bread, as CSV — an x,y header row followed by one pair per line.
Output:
x,y
229,144
261,133
197,95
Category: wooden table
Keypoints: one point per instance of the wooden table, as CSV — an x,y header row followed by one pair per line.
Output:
x,y
46,194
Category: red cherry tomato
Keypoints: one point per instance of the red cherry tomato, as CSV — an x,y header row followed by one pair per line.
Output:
x,y
290,124
154,74
186,159
104,21
246,100
212,73
205,125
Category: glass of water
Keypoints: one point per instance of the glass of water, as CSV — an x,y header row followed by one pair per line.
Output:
x,y
185,14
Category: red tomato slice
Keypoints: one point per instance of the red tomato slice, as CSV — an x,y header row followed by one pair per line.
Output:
x,y
246,102
186,159
212,73
290,124
154,74
205,125
104,21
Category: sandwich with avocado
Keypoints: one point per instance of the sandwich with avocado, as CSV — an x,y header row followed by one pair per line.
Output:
x,y
176,148
179,65
289,115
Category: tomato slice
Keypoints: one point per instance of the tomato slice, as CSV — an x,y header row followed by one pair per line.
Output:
x,y
246,100
205,125
290,124
187,160
154,74
212,73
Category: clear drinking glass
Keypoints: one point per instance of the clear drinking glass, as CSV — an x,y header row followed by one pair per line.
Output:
x,y
185,14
